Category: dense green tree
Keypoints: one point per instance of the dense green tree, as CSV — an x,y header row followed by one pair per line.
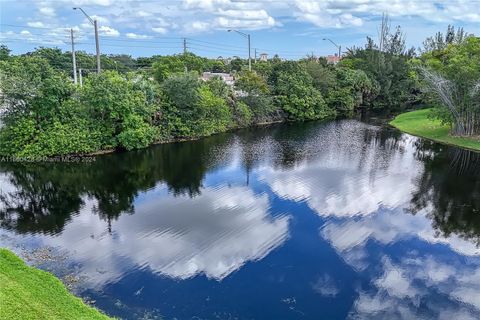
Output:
x,y
441,41
237,64
255,93
118,108
164,66
40,119
191,109
323,76
31,88
296,95
387,65
263,68
351,89
219,88
251,82
216,65
55,57
4,52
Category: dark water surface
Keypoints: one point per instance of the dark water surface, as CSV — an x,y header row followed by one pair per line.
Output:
x,y
311,221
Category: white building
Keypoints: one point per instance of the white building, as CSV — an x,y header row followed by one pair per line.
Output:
x,y
226,77
263,57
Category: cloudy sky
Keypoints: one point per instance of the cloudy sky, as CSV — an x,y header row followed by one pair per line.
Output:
x,y
291,28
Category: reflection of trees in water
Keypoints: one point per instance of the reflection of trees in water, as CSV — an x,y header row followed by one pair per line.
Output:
x,y
449,188
46,195
37,205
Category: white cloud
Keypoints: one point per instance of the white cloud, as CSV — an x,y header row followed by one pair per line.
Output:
x,y
132,35
206,16
36,24
100,19
160,30
108,31
47,11
321,14
198,26
330,13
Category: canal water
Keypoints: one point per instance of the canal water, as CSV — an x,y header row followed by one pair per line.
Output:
x,y
337,220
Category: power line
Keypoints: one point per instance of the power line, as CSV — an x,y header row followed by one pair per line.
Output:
x,y
219,48
161,43
214,43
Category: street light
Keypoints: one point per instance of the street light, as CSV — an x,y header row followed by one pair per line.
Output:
x,y
97,44
336,45
249,52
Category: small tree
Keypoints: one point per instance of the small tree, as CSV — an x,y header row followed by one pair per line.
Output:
x,y
452,78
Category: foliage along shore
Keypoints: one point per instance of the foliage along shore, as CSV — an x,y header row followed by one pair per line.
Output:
x,y
29,293
422,123
156,100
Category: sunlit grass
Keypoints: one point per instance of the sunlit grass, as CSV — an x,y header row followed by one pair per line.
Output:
x,y
418,123
29,293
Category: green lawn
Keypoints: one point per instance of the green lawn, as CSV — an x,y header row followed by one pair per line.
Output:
x,y
419,124
29,293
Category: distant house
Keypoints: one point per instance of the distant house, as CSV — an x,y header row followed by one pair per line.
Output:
x,y
263,57
226,77
333,59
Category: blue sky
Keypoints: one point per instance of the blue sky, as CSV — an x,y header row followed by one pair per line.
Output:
x,y
291,28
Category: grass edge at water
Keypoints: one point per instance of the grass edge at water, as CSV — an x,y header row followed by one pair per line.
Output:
x,y
418,123
30,293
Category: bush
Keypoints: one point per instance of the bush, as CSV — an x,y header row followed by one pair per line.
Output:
x,y
136,133
113,103
191,109
299,99
16,135
242,114
341,100
62,139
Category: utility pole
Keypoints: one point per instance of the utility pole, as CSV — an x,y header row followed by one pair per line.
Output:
x,y
74,61
255,55
249,55
97,43
80,77
185,54
249,50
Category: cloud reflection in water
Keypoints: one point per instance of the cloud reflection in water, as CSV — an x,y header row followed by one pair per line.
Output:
x,y
179,237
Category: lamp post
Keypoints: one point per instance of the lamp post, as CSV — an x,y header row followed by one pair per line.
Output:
x,y
336,45
249,51
74,60
97,44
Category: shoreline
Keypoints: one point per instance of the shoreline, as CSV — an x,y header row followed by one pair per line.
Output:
x,y
27,292
156,143
417,123
79,157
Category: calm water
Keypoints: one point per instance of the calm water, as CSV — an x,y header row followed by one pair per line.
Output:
x,y
311,221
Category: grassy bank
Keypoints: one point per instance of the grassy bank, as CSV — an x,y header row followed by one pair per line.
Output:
x,y
29,293
419,124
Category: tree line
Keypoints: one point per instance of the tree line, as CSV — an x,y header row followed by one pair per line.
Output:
x,y
137,102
